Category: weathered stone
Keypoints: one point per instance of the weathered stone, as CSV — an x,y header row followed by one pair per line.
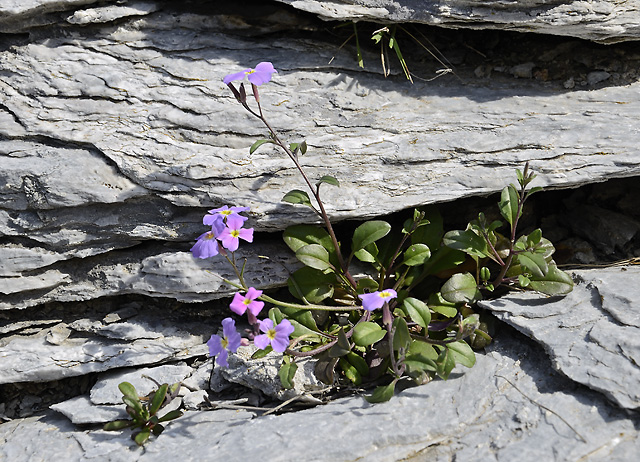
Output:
x,y
599,20
262,375
33,358
106,391
510,406
81,410
591,334
116,137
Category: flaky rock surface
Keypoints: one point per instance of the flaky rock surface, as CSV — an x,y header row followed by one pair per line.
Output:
x,y
117,134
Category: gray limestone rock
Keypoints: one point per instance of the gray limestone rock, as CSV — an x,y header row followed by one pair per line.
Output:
x,y
605,21
106,391
81,410
262,374
591,334
510,406
35,359
117,136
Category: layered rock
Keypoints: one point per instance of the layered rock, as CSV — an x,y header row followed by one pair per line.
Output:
x,y
117,135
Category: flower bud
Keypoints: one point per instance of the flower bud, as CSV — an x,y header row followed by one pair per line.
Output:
x,y
256,95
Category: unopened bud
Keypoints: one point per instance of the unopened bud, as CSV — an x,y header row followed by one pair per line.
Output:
x,y
256,95
243,94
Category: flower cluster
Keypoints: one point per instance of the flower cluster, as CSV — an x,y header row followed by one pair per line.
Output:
x,y
226,229
276,336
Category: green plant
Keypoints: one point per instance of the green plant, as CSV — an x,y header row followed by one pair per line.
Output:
x,y
144,420
402,320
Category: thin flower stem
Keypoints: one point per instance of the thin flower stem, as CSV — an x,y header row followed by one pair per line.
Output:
x,y
297,306
323,213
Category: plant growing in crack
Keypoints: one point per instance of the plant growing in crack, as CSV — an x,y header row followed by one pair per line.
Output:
x,y
144,411
398,322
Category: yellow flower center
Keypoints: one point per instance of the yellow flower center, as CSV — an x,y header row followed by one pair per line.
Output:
x,y
235,233
271,334
209,235
224,343
226,212
246,301
385,294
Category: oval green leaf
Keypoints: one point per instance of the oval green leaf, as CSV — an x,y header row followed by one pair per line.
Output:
x,y
297,197
314,256
460,288
417,254
418,311
367,333
368,233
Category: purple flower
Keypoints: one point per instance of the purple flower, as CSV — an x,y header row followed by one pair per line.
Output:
x,y
261,74
277,337
221,346
230,236
242,303
207,246
224,213
375,300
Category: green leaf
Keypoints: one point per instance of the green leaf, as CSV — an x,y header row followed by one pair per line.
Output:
x,y
417,254
135,405
157,429
304,317
555,282
117,425
509,200
262,353
417,310
129,390
158,398
329,180
312,284
297,197
535,263
358,362
257,144
382,393
298,329
369,232
286,373
142,436
350,371
342,347
314,256
467,241
421,357
171,415
299,147
300,235
461,288
462,353
367,333
523,280
440,305
401,336
445,363
369,254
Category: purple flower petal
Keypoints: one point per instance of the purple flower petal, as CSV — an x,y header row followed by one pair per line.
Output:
x,y
280,343
237,305
285,328
266,325
237,76
262,73
261,341
206,246
215,345
221,359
